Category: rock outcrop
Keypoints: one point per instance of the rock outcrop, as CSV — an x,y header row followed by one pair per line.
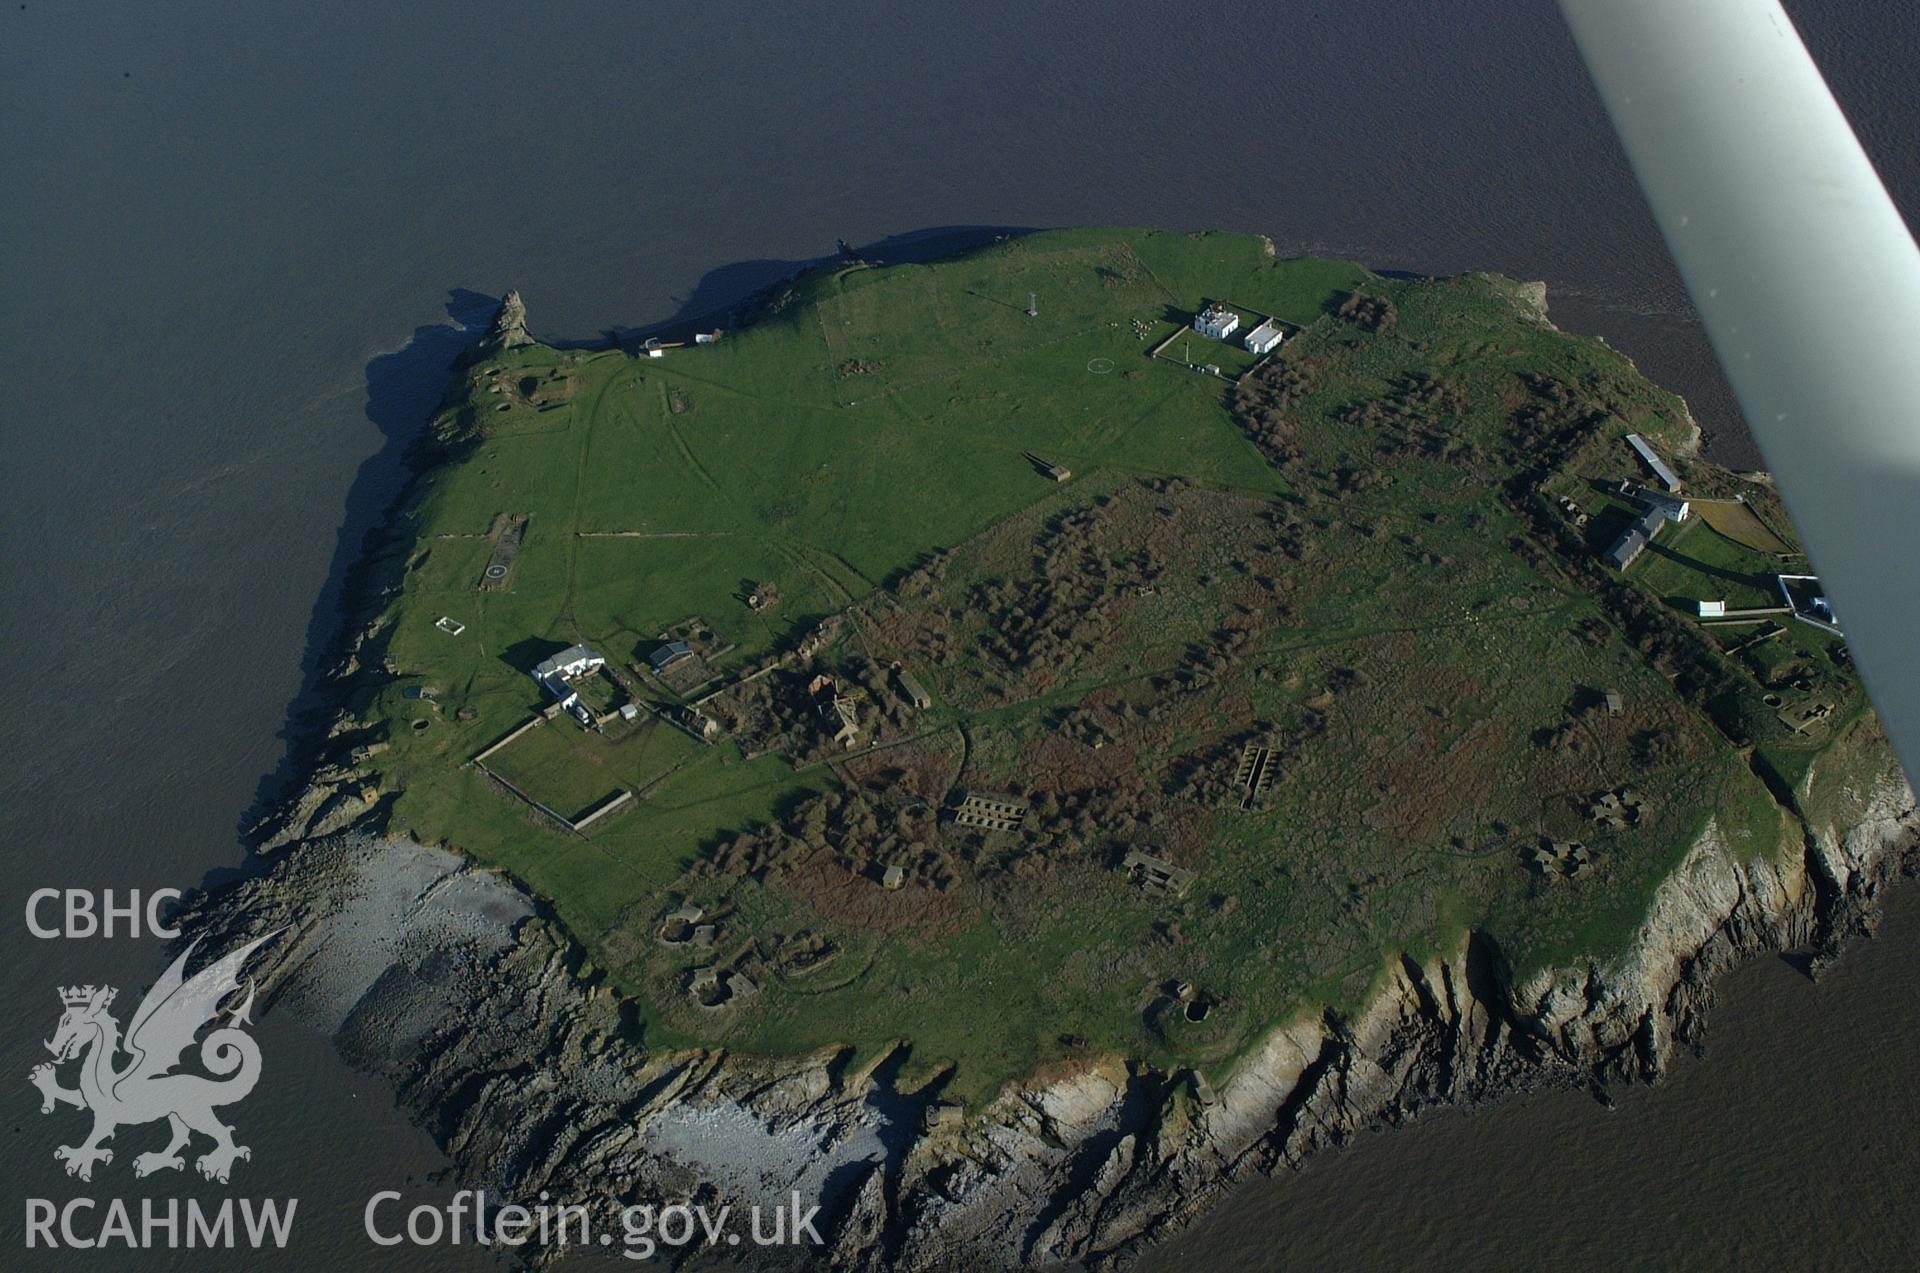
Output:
x,y
509,329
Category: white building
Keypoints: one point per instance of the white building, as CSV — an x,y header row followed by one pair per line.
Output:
x,y
1265,336
1819,607
556,670
1713,609
1671,507
572,661
1217,321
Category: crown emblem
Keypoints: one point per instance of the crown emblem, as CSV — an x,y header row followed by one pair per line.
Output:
x,y
81,996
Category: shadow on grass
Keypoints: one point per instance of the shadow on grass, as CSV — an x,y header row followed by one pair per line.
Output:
x,y
525,655
1700,567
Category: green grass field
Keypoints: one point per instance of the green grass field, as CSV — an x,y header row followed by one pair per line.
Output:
x,y
1376,597
1693,562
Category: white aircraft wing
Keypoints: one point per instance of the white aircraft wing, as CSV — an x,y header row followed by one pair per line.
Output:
x,y
1808,282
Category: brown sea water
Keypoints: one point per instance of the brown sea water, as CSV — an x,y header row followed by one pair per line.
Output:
x,y
231,240
1790,1144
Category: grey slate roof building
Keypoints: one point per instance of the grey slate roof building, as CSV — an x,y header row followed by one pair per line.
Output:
x,y
1627,548
669,653
1670,507
1656,509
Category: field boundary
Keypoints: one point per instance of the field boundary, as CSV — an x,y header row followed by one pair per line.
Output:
x,y
1291,331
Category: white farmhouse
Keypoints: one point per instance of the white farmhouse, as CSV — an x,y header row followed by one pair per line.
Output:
x,y
555,671
1671,507
1217,321
1264,337
572,661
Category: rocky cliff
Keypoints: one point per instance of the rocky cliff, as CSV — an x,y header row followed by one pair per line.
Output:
x,y
509,329
448,982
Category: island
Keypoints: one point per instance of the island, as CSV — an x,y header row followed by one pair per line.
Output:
x,y
1011,744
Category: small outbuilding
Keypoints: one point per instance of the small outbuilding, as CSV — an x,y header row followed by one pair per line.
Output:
x,y
1155,873
912,690
1265,337
697,723
1047,468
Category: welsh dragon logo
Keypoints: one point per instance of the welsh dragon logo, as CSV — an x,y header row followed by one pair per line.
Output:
x,y
147,1088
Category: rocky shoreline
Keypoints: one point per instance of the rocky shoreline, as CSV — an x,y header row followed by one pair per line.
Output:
x,y
448,981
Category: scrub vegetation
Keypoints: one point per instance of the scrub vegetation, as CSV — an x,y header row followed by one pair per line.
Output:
x,y
1325,642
